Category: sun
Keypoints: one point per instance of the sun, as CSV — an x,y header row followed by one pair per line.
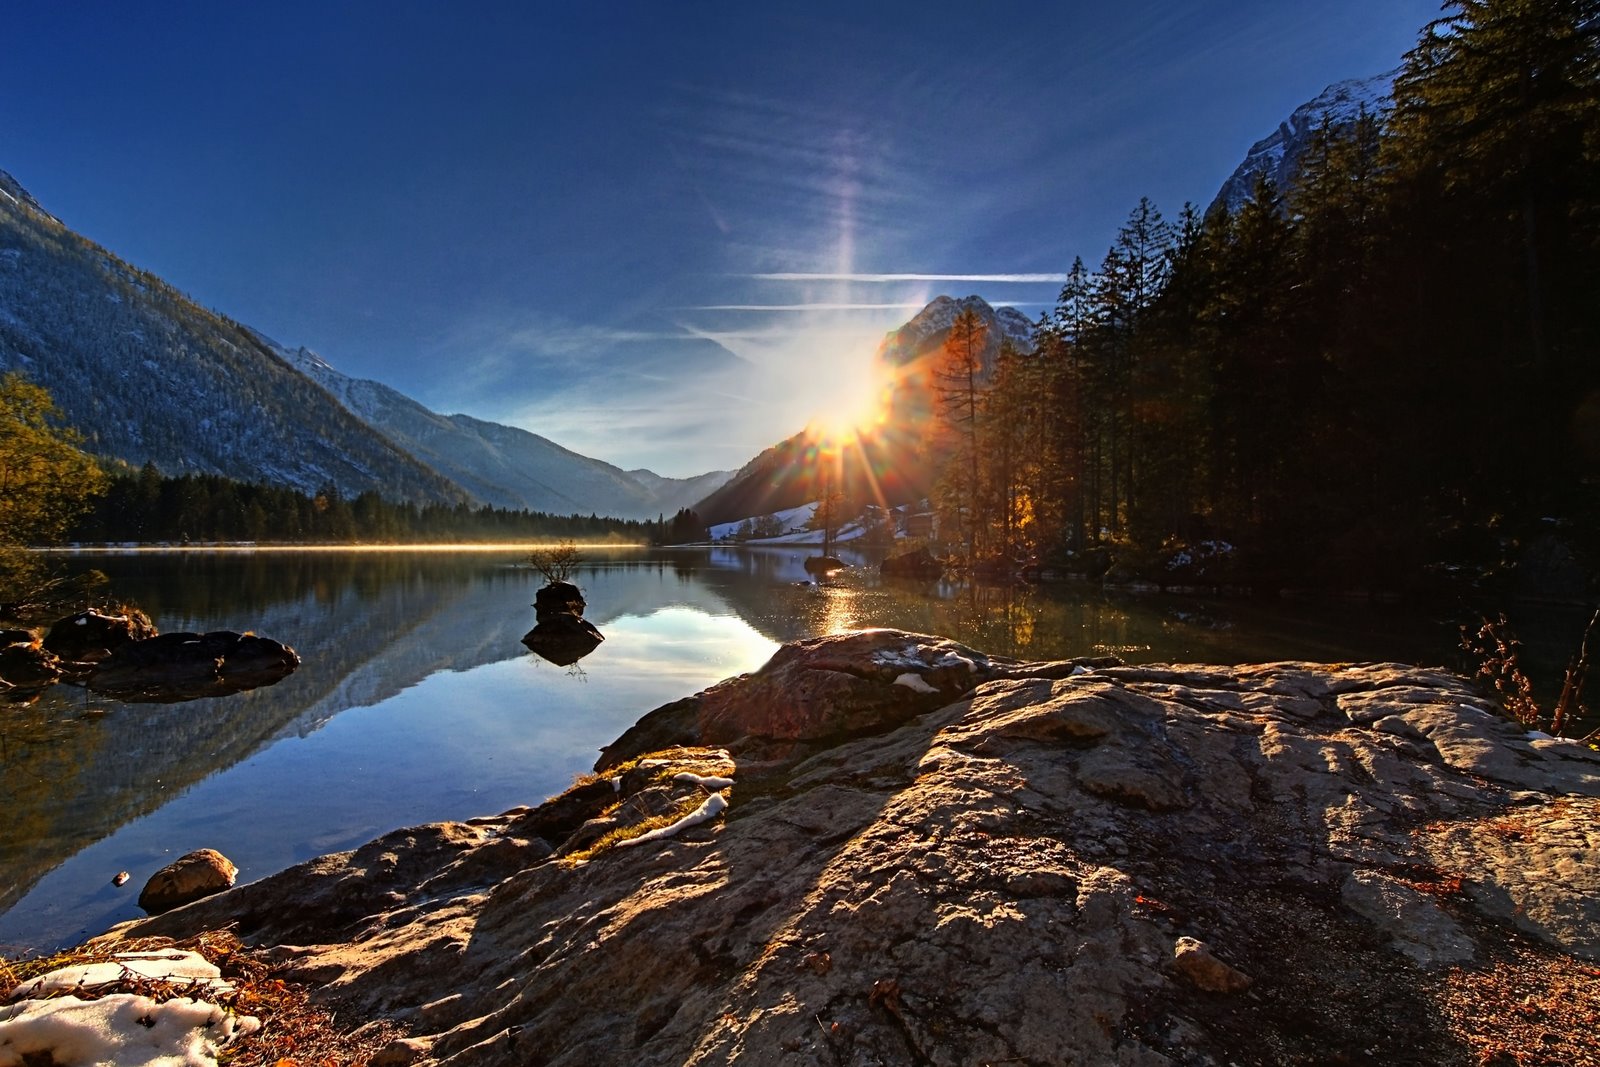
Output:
x,y
853,409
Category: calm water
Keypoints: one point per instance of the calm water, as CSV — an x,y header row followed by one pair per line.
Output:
x,y
416,701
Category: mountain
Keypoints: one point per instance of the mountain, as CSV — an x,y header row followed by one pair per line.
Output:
x,y
502,465
889,464
924,335
150,376
1278,154
673,494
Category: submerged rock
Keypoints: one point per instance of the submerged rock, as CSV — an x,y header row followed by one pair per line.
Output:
x,y
185,666
1042,863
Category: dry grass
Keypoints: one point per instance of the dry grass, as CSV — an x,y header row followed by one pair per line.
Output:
x,y
1529,1006
294,1032
612,838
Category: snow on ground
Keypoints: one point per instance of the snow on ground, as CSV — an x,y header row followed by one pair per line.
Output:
x,y
173,966
709,781
811,537
915,682
715,805
121,1029
791,519
793,522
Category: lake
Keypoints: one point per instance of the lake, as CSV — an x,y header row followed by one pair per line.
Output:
x,y
416,702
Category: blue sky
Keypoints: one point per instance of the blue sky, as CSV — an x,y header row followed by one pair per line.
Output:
x,y
643,230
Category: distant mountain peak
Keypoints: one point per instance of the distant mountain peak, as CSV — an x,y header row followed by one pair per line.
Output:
x,y
12,190
889,464
927,329
1278,154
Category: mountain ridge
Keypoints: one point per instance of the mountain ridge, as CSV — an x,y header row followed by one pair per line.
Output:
x,y
1278,154
151,376
503,466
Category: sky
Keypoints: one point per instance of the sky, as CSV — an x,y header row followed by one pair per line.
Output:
x,y
665,235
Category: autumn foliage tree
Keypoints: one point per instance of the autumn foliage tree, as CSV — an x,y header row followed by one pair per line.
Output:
x,y
46,480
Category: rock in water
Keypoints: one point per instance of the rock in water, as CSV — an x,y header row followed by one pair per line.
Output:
x,y
563,636
184,666
26,665
90,636
558,598
186,880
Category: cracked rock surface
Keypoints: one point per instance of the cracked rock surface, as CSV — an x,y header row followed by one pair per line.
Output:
x,y
1018,863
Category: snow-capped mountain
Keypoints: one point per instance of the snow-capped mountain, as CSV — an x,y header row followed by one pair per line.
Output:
x,y
503,465
1278,154
148,375
928,328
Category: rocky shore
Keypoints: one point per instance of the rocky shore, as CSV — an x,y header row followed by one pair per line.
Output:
x,y
886,848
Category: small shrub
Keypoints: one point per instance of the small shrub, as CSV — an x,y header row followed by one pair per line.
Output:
x,y
1497,651
557,562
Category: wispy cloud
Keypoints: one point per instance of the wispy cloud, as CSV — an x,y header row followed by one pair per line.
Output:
x,y
897,306
794,276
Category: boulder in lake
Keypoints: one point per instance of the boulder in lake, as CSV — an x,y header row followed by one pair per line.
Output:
x,y
558,598
185,666
90,636
187,879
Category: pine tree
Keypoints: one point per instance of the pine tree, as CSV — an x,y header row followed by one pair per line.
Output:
x,y
956,382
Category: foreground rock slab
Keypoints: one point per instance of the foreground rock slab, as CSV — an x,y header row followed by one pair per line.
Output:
x,y
931,856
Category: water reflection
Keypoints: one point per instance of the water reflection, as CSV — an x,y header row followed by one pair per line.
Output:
x,y
416,700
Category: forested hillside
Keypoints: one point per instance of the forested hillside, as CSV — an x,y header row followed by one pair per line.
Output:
x,y
1392,364
148,375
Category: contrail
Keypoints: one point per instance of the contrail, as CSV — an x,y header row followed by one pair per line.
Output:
x,y
1020,278
807,307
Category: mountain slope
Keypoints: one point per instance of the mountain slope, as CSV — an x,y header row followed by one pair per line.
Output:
x,y
148,375
502,465
1278,154
888,465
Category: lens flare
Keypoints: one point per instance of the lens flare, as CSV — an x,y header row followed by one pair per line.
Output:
x,y
854,409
